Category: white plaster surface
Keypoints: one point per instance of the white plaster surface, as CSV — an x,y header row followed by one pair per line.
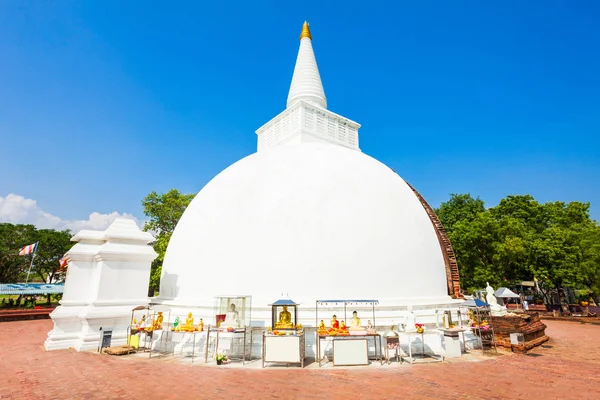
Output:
x,y
314,221
107,277
306,123
306,82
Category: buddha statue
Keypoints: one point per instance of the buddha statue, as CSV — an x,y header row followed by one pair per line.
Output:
x,y
142,323
322,326
200,326
285,319
159,321
150,326
335,324
495,309
343,326
189,324
232,318
370,327
355,323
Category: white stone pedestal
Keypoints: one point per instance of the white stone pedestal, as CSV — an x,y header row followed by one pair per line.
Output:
x,y
107,276
452,344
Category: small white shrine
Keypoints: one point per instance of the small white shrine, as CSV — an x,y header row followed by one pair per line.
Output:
x,y
108,276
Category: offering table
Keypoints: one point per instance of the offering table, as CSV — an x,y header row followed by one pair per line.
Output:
x,y
452,345
283,349
349,350
421,335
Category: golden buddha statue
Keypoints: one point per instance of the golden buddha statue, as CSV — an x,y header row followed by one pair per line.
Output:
x,y
200,327
343,325
285,319
157,325
151,325
334,322
189,324
322,326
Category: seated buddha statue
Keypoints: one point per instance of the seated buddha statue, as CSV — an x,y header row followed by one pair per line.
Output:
x,y
232,318
355,322
285,319
200,326
322,326
334,323
189,324
159,321
343,325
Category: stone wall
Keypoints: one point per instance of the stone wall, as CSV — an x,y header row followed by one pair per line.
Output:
x,y
530,325
21,315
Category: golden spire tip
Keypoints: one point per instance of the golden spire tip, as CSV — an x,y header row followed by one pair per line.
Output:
x,y
305,31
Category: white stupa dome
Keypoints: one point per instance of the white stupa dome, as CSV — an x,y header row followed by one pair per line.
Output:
x,y
314,221
309,216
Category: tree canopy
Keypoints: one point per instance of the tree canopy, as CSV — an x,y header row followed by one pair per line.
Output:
x,y
164,211
521,239
52,246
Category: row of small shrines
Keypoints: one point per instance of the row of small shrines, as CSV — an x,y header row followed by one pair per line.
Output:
x,y
285,340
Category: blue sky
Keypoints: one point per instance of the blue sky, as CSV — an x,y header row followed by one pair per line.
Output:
x,y
103,102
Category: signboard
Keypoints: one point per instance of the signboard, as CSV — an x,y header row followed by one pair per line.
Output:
x,y
350,352
106,338
282,349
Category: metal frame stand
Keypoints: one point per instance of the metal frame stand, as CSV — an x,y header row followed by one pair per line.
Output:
x,y
302,343
376,338
423,354
243,332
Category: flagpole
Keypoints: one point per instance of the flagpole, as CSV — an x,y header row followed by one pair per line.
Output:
x,y
31,264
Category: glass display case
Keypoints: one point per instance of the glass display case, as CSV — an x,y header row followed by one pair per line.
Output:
x,y
233,311
284,315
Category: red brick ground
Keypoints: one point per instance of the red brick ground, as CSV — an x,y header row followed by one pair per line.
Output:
x,y
568,367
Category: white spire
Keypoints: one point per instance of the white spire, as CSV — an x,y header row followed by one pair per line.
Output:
x,y
306,81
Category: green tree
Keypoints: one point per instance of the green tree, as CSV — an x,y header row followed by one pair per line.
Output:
x,y
460,208
12,238
590,258
164,211
475,244
52,246
520,239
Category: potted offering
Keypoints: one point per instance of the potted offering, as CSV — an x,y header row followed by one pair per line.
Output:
x,y
221,358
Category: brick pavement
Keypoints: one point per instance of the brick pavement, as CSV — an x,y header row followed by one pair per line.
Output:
x,y
567,367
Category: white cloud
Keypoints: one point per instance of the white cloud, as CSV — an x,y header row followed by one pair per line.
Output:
x,y
19,210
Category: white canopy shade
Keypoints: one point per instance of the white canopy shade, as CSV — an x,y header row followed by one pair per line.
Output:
x,y
505,293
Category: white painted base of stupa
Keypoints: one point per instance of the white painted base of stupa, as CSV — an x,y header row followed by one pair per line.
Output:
x,y
390,314
188,345
81,327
